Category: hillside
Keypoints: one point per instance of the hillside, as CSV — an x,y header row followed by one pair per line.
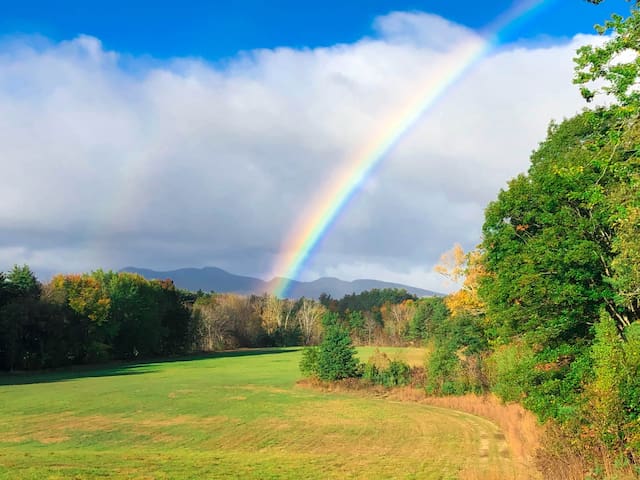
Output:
x,y
215,279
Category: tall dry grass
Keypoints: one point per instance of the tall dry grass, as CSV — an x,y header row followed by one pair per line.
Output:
x,y
566,457
520,427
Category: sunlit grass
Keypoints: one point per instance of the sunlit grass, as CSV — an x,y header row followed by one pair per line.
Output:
x,y
234,415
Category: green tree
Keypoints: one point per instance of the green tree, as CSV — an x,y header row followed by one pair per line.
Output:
x,y
20,335
428,317
613,68
549,238
614,64
135,308
22,282
454,365
336,354
175,318
309,361
370,300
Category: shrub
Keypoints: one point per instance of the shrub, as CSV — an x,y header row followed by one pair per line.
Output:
x,y
376,364
398,374
510,370
370,372
390,373
612,406
309,361
442,370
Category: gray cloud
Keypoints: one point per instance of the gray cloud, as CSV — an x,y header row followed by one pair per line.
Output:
x,y
109,160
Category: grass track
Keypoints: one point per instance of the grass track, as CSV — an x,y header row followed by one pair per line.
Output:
x,y
233,415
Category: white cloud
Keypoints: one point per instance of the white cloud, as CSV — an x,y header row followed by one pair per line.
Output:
x,y
423,30
108,160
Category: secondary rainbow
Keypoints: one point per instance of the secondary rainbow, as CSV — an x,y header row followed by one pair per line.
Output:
x,y
317,220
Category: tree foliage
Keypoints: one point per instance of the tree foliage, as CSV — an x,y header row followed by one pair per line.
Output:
x,y
368,300
429,315
614,64
382,370
467,269
378,316
225,321
550,238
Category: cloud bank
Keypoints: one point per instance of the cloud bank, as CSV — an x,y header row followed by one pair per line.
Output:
x,y
109,160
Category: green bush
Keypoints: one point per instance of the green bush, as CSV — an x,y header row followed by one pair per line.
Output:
x,y
630,388
442,370
370,372
396,375
309,361
510,370
612,406
382,371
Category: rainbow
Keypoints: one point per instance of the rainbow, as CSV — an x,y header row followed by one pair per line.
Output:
x,y
322,213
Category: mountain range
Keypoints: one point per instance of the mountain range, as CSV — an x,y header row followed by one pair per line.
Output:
x,y
215,279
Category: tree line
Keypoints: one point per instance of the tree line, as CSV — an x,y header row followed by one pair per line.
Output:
x,y
549,312
75,319
102,316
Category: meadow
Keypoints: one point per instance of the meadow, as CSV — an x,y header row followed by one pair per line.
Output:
x,y
231,415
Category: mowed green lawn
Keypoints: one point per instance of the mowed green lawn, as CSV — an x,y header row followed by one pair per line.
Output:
x,y
232,415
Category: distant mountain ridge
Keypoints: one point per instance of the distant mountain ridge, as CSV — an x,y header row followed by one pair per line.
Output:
x,y
215,279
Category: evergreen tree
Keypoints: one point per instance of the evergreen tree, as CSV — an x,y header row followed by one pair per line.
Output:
x,y
336,355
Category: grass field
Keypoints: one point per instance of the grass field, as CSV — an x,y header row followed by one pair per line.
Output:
x,y
232,415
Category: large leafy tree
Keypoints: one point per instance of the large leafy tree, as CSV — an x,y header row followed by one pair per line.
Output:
x,y
561,242
565,235
613,69
549,238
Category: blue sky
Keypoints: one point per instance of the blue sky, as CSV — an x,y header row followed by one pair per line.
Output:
x,y
219,29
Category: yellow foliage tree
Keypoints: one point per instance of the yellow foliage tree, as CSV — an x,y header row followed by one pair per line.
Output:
x,y
468,269
83,293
